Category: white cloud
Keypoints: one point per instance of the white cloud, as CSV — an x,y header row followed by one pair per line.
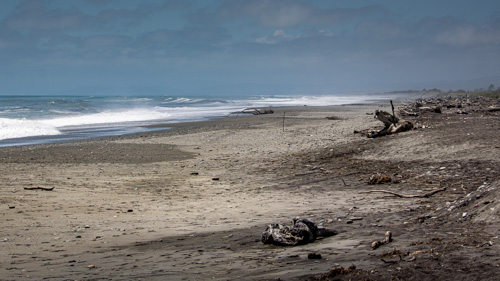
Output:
x,y
325,32
278,36
468,36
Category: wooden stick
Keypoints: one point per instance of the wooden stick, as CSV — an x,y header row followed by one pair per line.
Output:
x,y
284,121
308,173
425,195
392,106
39,187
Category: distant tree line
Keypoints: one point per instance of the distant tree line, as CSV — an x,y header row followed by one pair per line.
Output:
x,y
491,91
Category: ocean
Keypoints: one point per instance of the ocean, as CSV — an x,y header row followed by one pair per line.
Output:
x,y
27,120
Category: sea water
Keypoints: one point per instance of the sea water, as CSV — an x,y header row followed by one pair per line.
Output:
x,y
46,119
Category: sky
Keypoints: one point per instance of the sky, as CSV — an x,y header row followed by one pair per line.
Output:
x,y
246,47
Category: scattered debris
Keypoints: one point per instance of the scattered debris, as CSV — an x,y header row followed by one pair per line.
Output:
x,y
479,205
457,104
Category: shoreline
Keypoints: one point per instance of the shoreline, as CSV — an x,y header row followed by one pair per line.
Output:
x,y
191,202
73,135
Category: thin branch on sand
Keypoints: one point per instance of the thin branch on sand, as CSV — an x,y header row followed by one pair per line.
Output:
x,y
425,195
39,187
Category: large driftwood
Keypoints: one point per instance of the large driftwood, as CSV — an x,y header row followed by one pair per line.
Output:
x,y
302,231
392,124
425,195
254,111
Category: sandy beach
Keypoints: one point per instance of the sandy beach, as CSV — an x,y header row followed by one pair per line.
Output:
x,y
191,202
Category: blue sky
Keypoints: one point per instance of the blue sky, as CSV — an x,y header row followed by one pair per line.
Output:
x,y
242,47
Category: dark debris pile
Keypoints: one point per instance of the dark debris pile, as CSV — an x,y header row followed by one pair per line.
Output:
x,y
452,104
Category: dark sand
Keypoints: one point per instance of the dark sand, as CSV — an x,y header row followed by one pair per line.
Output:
x,y
190,203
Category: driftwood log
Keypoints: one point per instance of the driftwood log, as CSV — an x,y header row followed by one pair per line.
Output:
x,y
392,124
254,111
302,231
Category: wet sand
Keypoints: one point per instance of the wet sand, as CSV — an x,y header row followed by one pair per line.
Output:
x,y
191,202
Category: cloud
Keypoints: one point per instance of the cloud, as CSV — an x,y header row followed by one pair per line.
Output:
x,y
469,35
381,30
266,12
325,32
98,3
296,38
278,36
292,13
105,41
35,15
36,28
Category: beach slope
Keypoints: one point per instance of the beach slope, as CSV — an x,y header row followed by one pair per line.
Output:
x,y
191,202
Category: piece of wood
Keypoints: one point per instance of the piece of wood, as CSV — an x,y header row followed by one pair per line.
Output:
x,y
343,181
393,262
39,187
386,240
386,118
425,195
392,124
284,121
392,107
308,173
254,111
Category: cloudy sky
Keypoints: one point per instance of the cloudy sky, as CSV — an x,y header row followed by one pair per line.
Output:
x,y
240,47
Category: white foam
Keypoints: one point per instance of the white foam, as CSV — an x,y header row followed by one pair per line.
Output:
x,y
108,117
19,128
197,113
308,100
181,100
